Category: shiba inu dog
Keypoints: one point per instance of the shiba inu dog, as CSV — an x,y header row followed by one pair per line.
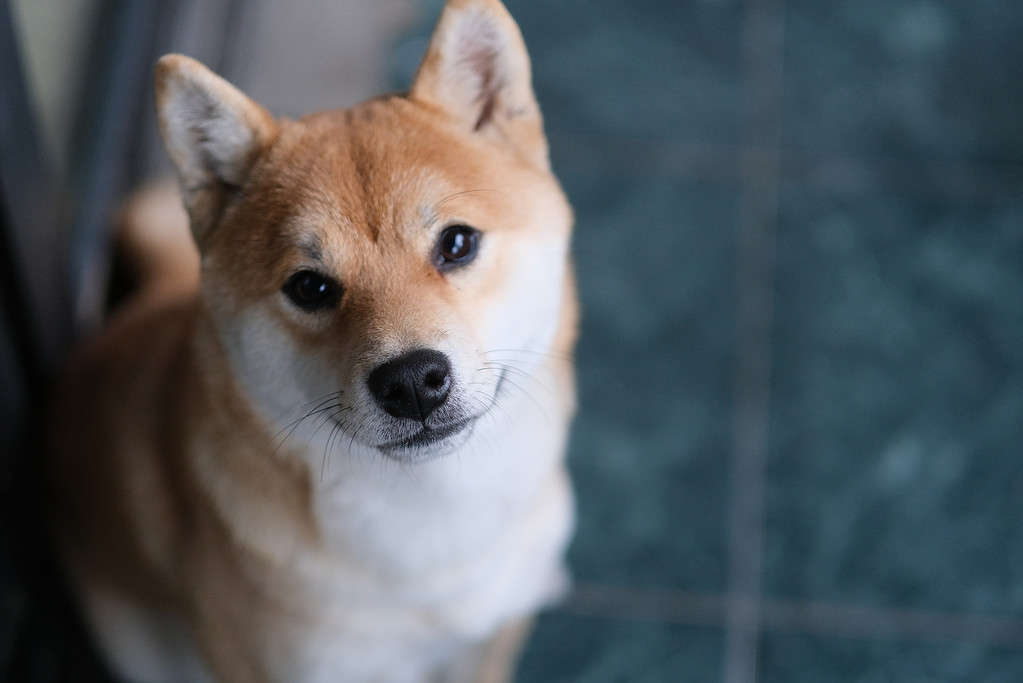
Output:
x,y
327,445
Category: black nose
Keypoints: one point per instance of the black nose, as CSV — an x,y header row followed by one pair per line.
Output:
x,y
412,385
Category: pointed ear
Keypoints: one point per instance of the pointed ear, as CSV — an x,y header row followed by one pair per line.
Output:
x,y
477,70
212,132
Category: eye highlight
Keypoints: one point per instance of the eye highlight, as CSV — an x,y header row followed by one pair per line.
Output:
x,y
456,246
312,291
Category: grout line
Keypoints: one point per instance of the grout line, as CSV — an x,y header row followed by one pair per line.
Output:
x,y
873,622
645,604
787,616
762,51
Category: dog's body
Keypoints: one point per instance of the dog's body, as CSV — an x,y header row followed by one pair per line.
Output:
x,y
336,454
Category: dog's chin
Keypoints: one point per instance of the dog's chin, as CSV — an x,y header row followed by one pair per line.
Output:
x,y
429,442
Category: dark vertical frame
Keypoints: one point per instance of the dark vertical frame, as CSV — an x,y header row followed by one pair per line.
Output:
x,y
34,329
53,271
32,278
115,99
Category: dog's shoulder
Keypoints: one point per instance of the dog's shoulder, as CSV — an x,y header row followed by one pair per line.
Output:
x,y
129,360
110,404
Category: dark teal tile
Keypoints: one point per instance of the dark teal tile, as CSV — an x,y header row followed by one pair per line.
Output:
x,y
895,474
649,68
660,69
650,445
811,659
573,649
917,77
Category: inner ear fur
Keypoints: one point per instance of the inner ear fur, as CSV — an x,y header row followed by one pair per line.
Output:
x,y
213,134
476,69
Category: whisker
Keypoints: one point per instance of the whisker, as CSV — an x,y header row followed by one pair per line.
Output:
x,y
491,397
326,449
362,423
296,423
482,402
559,355
506,367
532,399
319,402
337,428
491,409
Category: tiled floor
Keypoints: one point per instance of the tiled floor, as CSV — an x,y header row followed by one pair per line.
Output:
x,y
800,245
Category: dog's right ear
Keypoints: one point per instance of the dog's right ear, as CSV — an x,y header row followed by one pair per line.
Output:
x,y
213,133
476,69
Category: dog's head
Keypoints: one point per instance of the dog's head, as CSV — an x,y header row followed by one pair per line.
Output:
x,y
381,269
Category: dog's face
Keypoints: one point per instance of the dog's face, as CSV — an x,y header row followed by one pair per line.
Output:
x,y
380,270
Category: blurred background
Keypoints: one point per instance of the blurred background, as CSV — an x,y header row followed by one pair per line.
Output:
x,y
799,452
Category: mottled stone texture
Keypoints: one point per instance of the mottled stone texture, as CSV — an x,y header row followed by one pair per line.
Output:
x,y
572,649
788,658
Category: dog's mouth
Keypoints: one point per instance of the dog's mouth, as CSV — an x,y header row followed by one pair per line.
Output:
x,y
427,436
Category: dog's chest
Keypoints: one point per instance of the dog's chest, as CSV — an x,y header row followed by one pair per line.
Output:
x,y
452,588
465,542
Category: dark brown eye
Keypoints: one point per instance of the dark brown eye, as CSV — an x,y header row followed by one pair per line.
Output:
x,y
457,246
312,291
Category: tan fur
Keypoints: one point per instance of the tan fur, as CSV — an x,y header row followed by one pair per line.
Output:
x,y
204,545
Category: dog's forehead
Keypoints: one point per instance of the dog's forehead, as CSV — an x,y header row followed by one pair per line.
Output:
x,y
379,169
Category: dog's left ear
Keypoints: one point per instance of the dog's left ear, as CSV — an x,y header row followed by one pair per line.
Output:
x,y
213,133
476,69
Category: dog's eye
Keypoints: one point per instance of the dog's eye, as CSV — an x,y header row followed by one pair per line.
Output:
x,y
457,246
312,291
